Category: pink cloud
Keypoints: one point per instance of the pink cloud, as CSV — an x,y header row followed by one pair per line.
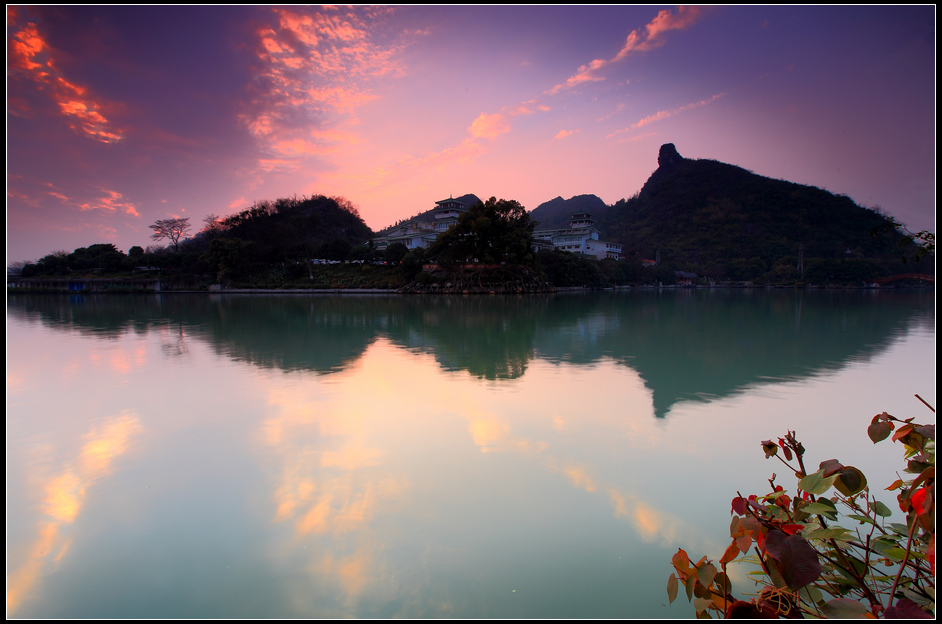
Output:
x,y
651,36
406,168
661,115
562,134
313,63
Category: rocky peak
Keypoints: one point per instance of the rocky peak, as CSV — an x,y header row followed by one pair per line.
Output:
x,y
668,156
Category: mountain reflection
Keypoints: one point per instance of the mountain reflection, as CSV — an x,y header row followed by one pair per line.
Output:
x,y
685,344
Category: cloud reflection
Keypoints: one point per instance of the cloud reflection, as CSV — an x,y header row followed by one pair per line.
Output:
x,y
64,497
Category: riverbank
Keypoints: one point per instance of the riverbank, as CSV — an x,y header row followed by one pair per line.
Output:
x,y
70,287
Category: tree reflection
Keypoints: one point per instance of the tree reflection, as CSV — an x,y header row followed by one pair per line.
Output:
x,y
685,344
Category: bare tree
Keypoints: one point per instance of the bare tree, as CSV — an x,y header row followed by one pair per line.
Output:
x,y
212,224
174,229
16,268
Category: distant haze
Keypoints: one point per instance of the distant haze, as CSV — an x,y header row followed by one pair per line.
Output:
x,y
119,116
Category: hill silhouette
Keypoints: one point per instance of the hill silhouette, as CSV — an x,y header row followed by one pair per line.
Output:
x,y
713,217
555,213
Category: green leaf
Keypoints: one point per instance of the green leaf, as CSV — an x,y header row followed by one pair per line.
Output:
x,y
701,604
816,483
881,510
822,507
843,608
888,548
811,593
850,481
706,573
866,519
899,529
830,533
689,584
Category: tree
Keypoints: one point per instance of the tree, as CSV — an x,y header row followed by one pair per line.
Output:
x,y
345,204
174,229
16,268
212,224
493,231
810,565
395,252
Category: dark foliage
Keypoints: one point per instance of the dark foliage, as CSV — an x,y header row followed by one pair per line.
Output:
x,y
491,232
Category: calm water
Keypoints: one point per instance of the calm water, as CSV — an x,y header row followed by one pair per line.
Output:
x,y
299,456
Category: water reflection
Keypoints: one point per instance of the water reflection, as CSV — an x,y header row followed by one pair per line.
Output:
x,y
65,489
403,457
685,344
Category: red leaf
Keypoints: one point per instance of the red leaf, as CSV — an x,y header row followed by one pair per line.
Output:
x,y
903,432
739,506
879,431
903,502
917,499
905,610
930,552
797,559
791,529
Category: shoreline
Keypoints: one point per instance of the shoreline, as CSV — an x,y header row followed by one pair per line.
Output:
x,y
391,291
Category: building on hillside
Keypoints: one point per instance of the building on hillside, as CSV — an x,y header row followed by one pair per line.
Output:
x,y
423,230
410,233
581,237
420,232
448,210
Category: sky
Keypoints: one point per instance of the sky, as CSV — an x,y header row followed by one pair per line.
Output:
x,y
120,116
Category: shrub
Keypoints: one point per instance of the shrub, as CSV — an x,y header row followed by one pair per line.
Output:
x,y
811,566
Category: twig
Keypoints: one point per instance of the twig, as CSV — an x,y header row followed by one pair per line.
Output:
x,y
909,544
924,403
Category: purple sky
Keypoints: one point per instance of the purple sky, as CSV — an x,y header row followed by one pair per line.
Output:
x,y
117,117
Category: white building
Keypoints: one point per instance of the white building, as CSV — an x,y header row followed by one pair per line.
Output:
x,y
580,237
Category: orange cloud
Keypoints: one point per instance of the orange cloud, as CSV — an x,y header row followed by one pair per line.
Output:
x,y
562,134
112,201
489,126
24,51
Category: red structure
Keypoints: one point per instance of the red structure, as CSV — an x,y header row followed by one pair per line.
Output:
x,y
913,276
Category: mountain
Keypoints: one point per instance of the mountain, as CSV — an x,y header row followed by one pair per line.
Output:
x,y
555,213
709,216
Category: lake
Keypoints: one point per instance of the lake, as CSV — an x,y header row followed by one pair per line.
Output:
x,y
304,456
